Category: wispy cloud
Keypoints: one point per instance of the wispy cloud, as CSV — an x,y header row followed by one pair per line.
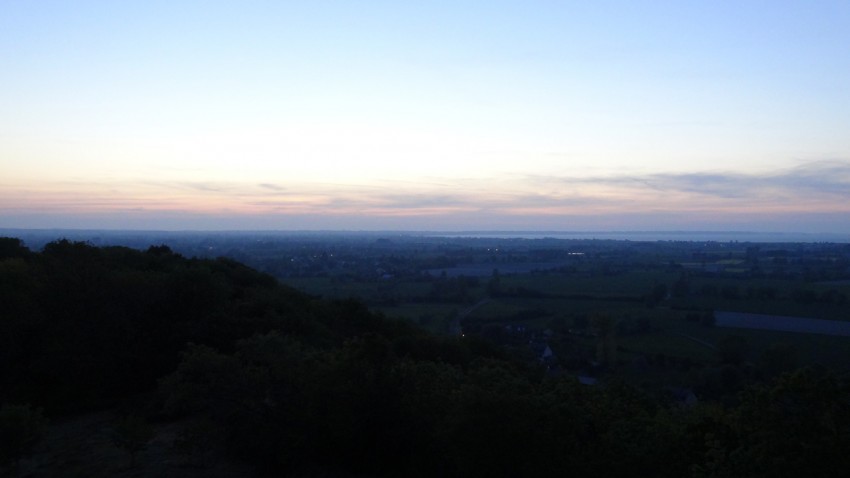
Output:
x,y
813,181
818,188
825,179
272,187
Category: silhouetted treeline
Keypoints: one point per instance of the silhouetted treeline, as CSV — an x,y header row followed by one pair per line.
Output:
x,y
405,406
82,325
291,383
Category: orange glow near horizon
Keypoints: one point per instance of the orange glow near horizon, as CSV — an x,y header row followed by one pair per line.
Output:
x,y
425,115
579,198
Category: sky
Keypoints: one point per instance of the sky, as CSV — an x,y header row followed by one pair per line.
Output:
x,y
455,115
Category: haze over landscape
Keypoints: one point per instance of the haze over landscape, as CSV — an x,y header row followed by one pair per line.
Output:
x,y
380,239
556,116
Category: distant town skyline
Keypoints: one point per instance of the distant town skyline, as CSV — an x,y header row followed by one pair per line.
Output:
x,y
451,116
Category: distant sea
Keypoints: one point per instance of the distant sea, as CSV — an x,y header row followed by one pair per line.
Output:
x,y
694,236
718,236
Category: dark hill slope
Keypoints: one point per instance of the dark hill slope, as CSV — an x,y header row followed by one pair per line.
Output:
x,y
81,326
298,386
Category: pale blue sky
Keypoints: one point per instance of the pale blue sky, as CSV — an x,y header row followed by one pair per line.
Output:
x,y
425,115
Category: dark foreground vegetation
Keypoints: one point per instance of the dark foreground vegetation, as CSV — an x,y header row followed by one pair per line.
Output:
x,y
295,385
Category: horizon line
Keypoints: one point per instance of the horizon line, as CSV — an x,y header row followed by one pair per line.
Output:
x,y
429,232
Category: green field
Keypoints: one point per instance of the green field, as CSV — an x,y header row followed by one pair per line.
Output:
x,y
555,301
633,283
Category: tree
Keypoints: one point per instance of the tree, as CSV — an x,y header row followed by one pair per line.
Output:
x,y
606,349
11,247
799,426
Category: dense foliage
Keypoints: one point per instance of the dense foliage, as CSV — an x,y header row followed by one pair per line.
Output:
x,y
291,383
83,325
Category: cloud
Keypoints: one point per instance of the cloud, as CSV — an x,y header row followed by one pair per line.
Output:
x,y
824,177
817,189
812,181
210,187
819,179
272,187
425,200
